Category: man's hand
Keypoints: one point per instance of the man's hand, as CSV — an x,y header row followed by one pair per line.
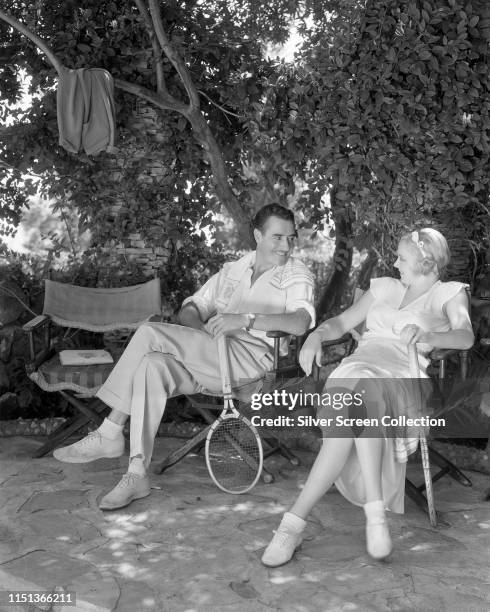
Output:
x,y
221,324
311,350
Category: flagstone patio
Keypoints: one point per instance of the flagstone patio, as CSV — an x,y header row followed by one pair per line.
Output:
x,y
190,547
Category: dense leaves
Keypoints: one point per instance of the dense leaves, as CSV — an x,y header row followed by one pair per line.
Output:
x,y
385,107
394,115
222,50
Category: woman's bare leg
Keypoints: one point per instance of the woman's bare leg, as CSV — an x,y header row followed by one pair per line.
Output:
x,y
370,454
327,467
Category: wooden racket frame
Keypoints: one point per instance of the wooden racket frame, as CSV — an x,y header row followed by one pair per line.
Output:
x,y
230,412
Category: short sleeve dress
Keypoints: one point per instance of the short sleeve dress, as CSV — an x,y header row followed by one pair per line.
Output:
x,y
381,354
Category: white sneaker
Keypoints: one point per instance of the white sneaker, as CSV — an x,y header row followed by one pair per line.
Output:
x,y
131,486
281,547
378,539
93,446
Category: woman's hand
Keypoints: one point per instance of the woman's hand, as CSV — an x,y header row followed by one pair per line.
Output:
x,y
411,334
311,350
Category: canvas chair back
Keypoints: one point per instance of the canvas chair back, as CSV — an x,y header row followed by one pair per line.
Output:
x,y
101,310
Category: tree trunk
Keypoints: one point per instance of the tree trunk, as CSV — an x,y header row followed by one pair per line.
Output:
x,y
366,270
336,287
204,136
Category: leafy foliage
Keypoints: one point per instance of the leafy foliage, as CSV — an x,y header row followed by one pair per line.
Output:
x,y
385,107
393,116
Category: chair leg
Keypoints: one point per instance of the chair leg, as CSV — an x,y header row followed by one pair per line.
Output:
x,y
206,411
91,413
428,481
276,446
63,431
173,458
447,468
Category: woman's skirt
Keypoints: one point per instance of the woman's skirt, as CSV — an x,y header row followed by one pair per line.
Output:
x,y
371,395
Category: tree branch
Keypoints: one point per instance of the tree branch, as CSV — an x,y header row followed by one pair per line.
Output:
x,y
206,139
175,59
201,130
6,166
18,129
160,100
157,53
17,25
226,112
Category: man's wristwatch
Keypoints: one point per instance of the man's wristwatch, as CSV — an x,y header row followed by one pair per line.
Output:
x,y
251,321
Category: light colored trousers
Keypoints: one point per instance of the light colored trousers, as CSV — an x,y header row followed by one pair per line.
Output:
x,y
164,360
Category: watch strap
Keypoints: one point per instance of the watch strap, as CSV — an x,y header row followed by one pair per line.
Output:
x,y
251,320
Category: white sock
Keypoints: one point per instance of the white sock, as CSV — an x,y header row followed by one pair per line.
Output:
x,y
110,430
375,510
292,522
136,466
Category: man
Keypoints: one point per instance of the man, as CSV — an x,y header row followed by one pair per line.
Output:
x,y
264,290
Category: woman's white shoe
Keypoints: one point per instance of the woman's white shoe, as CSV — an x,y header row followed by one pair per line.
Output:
x,y
286,540
378,539
281,547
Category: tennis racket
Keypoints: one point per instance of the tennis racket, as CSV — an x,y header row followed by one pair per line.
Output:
x,y
234,454
413,361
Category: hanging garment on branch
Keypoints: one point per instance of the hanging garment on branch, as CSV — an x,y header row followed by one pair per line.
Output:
x,y
86,115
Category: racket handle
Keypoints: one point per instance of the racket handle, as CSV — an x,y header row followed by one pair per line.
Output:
x,y
224,366
413,361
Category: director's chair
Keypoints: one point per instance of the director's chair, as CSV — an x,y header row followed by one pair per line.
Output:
x,y
89,309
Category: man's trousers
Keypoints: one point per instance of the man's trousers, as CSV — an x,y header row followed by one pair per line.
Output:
x,y
164,360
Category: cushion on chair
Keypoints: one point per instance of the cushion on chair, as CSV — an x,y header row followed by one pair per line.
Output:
x,y
52,376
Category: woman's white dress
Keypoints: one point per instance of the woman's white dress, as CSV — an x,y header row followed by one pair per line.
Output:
x,y
381,354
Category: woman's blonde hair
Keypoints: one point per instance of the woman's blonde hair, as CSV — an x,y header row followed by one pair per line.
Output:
x,y
431,248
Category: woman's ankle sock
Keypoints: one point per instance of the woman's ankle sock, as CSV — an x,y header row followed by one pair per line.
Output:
x,y
378,539
292,522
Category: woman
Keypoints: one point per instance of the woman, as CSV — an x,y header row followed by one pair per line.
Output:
x,y
417,309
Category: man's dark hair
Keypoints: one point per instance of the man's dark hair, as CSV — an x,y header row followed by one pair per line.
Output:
x,y
271,210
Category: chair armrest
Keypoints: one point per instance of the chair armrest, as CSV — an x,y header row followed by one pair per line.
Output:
x,y
342,340
438,354
277,334
35,323
41,321
40,358
345,339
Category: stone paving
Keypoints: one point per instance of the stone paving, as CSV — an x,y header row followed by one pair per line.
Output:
x,y
189,547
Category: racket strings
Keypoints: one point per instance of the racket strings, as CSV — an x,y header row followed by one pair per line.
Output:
x,y
234,454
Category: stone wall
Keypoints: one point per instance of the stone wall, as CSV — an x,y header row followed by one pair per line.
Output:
x,y
150,248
